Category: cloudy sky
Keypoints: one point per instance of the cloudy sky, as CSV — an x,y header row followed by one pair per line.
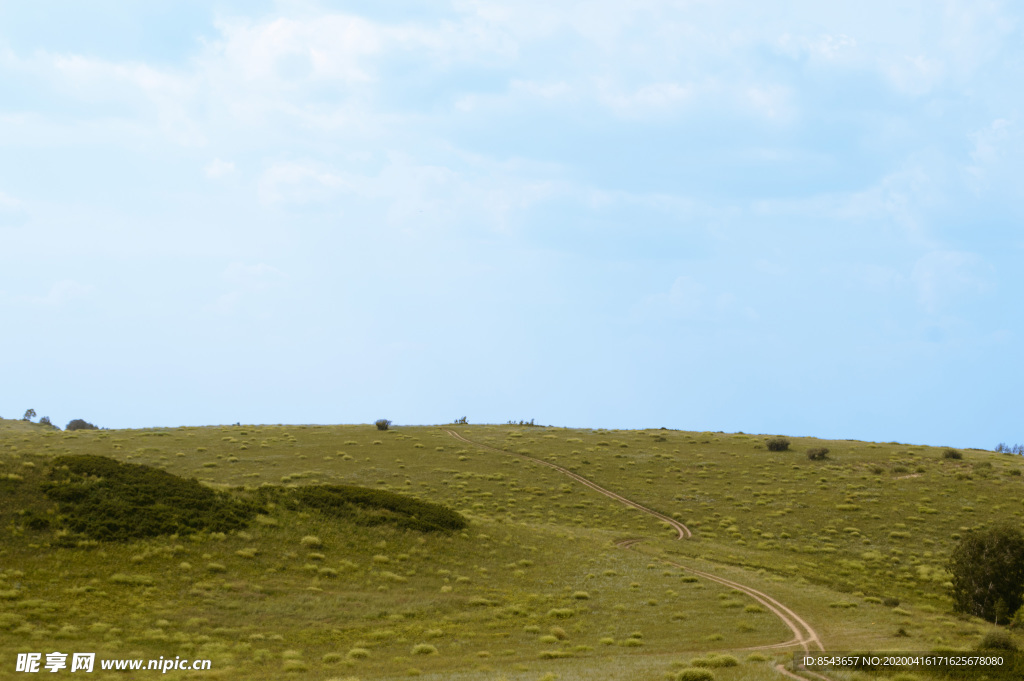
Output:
x,y
796,217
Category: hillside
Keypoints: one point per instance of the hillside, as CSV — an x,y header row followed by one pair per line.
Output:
x,y
542,584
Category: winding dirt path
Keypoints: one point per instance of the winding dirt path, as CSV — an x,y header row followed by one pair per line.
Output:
x,y
803,635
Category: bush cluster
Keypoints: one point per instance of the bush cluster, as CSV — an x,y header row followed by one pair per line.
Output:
x,y
107,500
988,573
997,640
777,444
366,506
817,453
79,424
382,424
951,453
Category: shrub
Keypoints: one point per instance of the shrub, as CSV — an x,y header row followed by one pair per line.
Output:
x,y
694,674
777,444
424,649
997,640
988,573
817,453
365,506
715,660
952,454
79,424
382,424
108,500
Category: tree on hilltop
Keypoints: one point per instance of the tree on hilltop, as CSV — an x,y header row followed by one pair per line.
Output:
x,y
29,415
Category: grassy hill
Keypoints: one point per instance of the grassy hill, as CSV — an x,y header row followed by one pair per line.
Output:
x,y
533,588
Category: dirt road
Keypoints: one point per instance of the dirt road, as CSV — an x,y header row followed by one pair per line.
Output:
x,y
803,635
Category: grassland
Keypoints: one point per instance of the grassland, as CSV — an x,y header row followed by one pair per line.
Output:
x,y
535,588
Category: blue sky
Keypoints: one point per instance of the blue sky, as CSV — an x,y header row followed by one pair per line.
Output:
x,y
799,217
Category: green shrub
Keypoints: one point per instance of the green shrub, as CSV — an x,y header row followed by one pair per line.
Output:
x,y
366,506
424,649
714,661
777,444
817,453
694,674
108,500
952,454
79,424
997,640
382,424
988,573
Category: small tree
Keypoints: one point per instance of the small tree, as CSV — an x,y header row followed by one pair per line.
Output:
x,y
79,424
777,444
29,415
988,573
382,424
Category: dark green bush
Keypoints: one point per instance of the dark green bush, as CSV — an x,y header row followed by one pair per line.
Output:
x,y
366,506
694,674
951,453
108,500
817,453
997,640
777,444
79,424
988,573
382,424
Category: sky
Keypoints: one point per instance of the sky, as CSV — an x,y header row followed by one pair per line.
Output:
x,y
796,218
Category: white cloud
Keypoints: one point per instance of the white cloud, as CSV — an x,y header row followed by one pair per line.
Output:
x,y
257,277
997,158
299,183
656,98
914,75
826,47
247,284
59,294
217,169
948,278
689,298
8,202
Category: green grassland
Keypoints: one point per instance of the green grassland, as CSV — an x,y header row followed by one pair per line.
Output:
x,y
534,588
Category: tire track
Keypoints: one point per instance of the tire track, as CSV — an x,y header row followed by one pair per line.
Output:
x,y
683,532
803,634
